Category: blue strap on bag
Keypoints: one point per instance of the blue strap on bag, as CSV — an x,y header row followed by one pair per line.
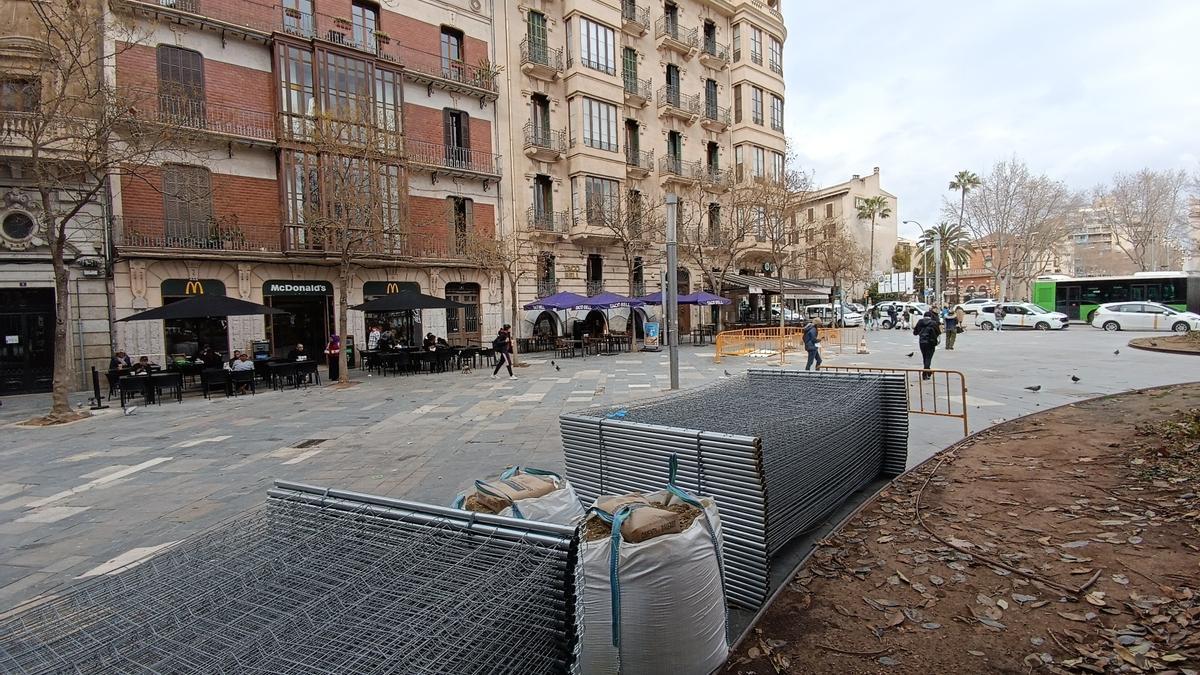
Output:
x,y
481,486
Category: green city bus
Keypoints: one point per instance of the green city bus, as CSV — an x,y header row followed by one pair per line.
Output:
x,y
1079,298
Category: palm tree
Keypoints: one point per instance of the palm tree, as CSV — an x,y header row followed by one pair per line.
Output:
x,y
956,245
870,209
964,181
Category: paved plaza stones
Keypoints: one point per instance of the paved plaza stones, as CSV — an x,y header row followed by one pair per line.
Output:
x,y
87,497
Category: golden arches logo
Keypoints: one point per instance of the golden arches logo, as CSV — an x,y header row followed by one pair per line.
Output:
x,y
392,287
193,288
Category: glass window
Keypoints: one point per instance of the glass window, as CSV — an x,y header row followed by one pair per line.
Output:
x,y
365,20
760,162
776,113
776,165
387,100
756,105
737,103
599,194
599,124
20,94
737,42
597,46
776,55
346,86
187,204
297,93
756,46
452,45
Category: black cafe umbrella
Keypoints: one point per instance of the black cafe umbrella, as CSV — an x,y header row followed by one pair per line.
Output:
x,y
202,307
406,300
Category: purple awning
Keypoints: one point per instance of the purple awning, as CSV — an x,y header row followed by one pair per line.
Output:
x,y
703,298
607,301
561,300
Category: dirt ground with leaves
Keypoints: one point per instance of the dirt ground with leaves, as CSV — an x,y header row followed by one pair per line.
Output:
x,y
1187,343
1063,542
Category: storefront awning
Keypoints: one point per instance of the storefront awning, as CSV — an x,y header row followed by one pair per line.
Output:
x,y
799,289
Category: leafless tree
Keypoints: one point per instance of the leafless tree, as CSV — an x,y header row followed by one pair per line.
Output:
x,y
716,231
508,257
1147,212
777,198
78,131
1019,219
354,206
839,259
635,224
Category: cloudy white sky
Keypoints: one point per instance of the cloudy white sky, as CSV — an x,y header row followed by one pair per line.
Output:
x,y
1079,89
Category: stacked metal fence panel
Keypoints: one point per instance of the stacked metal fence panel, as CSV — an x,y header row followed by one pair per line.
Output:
x,y
777,450
323,581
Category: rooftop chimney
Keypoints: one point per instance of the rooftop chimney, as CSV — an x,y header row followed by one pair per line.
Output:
x,y
876,171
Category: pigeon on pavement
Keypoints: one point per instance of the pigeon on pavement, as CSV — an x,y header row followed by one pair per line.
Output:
x,y
1116,352
1074,378
129,411
558,368
910,354
1036,387
552,362
727,374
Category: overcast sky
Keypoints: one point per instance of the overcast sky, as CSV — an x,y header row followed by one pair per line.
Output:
x,y
1079,89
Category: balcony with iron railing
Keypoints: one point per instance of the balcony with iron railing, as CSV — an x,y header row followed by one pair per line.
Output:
x,y
539,60
544,144
639,289
455,161
673,102
547,287
198,115
638,163
546,221
756,57
716,179
776,66
675,169
634,20
195,234
388,245
595,287
382,140
478,79
671,35
757,117
715,117
776,124
714,54
637,92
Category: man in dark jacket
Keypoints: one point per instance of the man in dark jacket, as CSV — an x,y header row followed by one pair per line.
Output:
x,y
892,317
502,343
812,344
927,331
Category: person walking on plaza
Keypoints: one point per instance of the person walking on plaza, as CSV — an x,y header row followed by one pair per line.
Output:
x,y
332,350
892,317
503,346
959,319
927,331
950,320
812,344
1000,317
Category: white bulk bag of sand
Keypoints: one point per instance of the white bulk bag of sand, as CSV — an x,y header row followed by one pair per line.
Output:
x,y
662,597
528,493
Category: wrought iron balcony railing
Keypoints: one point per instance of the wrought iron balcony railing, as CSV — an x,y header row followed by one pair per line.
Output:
x,y
439,155
537,52
538,136
675,166
716,113
197,114
639,159
546,287
546,221
632,14
670,96
666,27
595,286
636,87
195,234
715,50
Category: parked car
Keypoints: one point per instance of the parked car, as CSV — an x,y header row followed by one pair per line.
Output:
x,y
918,309
1021,315
848,317
789,314
1144,316
972,306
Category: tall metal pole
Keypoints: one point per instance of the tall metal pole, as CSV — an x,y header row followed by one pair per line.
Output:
x,y
672,299
937,266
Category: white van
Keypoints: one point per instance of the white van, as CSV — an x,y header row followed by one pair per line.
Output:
x,y
849,317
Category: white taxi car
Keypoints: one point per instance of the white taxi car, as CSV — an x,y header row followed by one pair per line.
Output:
x,y
1144,316
1021,315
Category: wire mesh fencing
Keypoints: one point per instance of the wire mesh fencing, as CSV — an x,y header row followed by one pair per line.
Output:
x,y
777,450
320,580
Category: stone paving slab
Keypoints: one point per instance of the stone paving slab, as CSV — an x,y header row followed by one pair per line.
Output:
x,y
118,485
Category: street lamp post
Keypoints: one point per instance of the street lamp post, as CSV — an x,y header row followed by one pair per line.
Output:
x,y
937,266
671,301
924,266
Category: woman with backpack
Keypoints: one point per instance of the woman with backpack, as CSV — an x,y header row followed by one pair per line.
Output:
x,y
503,346
927,331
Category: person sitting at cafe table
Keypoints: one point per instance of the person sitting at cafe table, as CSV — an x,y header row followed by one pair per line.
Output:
x,y
241,365
237,355
297,354
144,365
120,361
210,358
430,342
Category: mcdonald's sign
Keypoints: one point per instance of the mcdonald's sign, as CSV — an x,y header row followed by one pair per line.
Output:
x,y
374,289
177,288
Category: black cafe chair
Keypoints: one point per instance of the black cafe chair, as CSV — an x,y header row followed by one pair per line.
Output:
x,y
214,378
242,378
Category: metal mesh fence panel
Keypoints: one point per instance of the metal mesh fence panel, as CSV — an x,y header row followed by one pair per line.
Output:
x,y
320,581
777,450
